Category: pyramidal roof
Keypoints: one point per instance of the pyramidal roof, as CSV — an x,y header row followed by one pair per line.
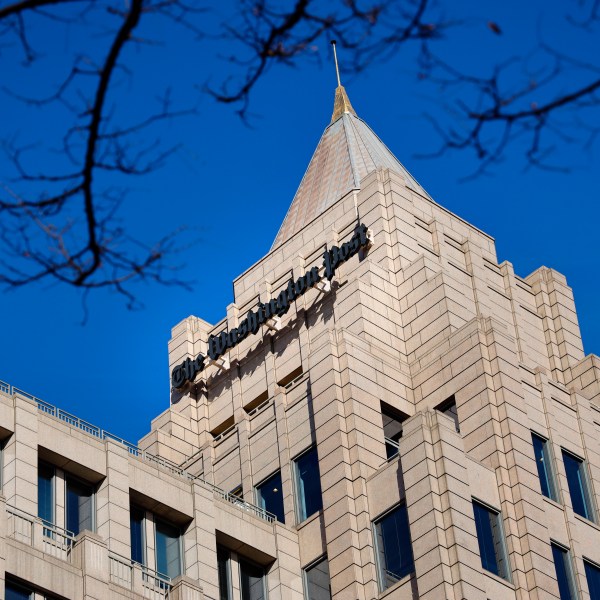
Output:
x,y
347,152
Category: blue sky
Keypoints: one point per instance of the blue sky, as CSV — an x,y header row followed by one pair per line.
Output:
x,y
230,181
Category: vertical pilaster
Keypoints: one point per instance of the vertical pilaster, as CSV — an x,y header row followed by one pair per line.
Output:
x,y
112,500
21,458
3,547
285,579
200,542
438,500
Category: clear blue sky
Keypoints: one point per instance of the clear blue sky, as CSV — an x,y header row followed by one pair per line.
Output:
x,y
231,181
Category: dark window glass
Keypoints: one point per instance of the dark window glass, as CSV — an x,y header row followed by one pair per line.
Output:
x,y
317,581
308,484
269,496
578,488
168,555
17,592
491,540
448,407
544,466
46,493
564,574
394,552
253,584
392,430
136,532
80,502
592,574
224,574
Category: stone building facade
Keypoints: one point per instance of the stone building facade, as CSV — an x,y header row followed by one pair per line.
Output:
x,y
412,420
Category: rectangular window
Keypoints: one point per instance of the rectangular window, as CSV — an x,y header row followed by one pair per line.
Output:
x,y
17,592
578,485
448,407
564,572
541,449
393,547
308,484
224,569
592,574
392,420
269,496
46,493
168,549
136,531
491,540
252,579
80,506
316,581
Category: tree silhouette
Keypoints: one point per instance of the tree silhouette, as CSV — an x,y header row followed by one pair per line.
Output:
x,y
60,217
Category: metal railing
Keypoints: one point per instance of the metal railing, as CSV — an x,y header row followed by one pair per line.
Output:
x,y
240,502
132,575
134,450
35,532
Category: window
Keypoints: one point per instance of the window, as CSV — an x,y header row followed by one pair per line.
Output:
x,y
392,429
46,493
564,572
448,407
17,592
491,540
316,581
393,547
136,531
168,549
543,461
308,484
167,542
578,486
269,495
56,487
252,580
80,506
592,574
224,569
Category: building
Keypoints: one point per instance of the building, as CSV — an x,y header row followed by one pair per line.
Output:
x,y
384,412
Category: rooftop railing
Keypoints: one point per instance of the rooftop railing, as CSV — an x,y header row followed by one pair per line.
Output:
x,y
134,450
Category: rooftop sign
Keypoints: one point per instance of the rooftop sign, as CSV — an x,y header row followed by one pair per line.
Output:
x,y
219,344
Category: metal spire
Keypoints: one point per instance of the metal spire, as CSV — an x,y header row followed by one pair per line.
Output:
x,y
341,103
337,69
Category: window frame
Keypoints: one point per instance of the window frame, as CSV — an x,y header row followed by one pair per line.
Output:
x,y
594,565
265,587
503,548
258,498
150,519
156,519
77,480
310,566
52,520
227,572
378,551
19,587
549,467
570,571
586,488
144,542
300,503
